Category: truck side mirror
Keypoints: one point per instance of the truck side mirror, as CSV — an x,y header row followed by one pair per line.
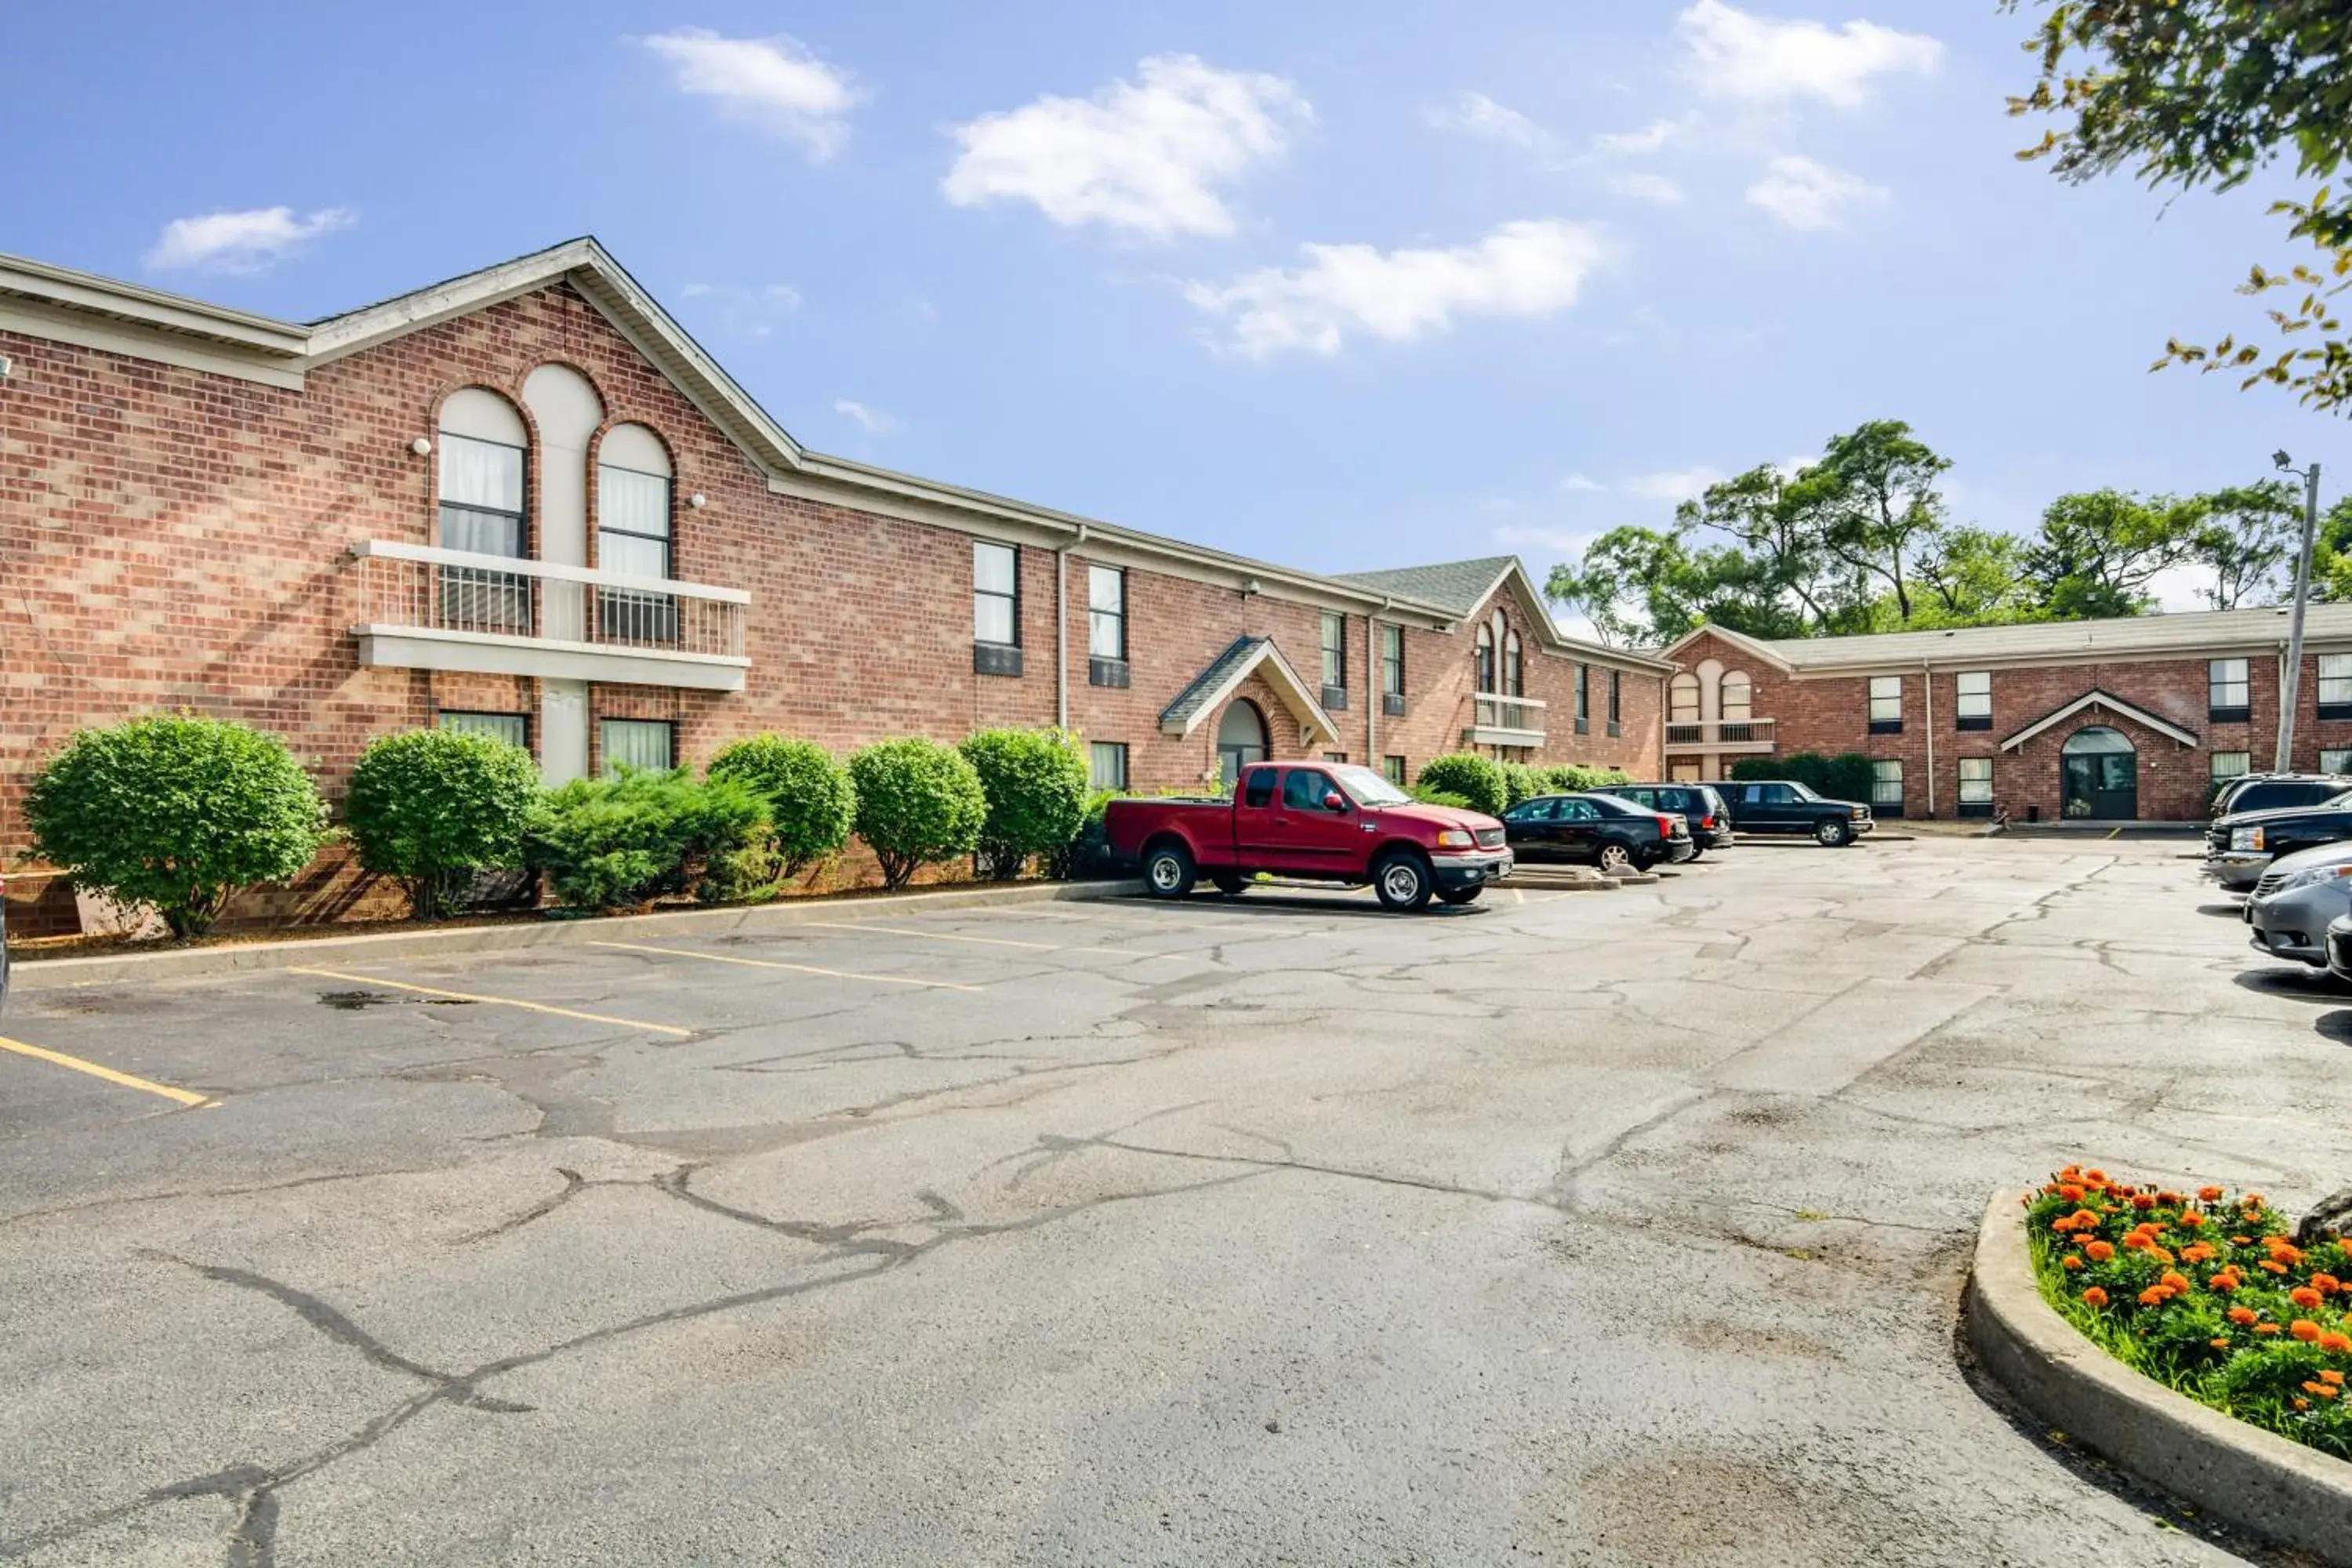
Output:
x,y
1335,801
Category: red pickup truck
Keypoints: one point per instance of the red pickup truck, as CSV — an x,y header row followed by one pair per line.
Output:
x,y
1327,821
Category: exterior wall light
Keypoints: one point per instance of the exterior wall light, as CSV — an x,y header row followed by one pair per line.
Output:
x,y
698,500
421,447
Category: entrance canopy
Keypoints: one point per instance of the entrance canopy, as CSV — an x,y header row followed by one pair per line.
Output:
x,y
1245,658
2102,704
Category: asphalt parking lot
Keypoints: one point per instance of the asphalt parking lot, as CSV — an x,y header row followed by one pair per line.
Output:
x,y
1572,1227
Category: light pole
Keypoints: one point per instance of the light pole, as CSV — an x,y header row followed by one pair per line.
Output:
x,y
2290,689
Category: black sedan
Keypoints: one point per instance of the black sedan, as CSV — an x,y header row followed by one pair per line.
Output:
x,y
1707,813
1595,830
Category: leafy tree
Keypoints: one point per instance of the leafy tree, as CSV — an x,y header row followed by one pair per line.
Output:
x,y
1036,785
2188,93
177,812
1974,577
811,805
2248,542
431,808
2097,552
1870,504
918,801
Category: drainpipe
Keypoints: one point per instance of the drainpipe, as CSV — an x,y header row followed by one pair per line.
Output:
x,y
1062,627
1927,679
1374,693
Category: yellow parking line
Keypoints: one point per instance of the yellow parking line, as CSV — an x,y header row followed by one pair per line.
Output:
x,y
498,1001
185,1097
985,940
795,968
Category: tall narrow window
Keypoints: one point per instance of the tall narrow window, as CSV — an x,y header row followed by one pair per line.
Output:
x,y
637,743
1682,699
1335,660
1738,696
481,449
2336,685
1486,671
632,535
1973,706
2228,694
1886,789
1106,626
1392,769
1515,675
1583,699
1107,765
1616,701
995,608
1886,704
1976,786
1393,670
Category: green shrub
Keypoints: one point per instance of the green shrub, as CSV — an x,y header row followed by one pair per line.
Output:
x,y
1477,779
917,801
2206,1293
1764,767
1035,782
1848,777
1428,797
1084,855
1575,777
618,843
1521,782
810,804
431,808
177,812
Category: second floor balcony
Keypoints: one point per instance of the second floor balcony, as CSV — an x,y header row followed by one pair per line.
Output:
x,y
1497,720
1719,735
421,607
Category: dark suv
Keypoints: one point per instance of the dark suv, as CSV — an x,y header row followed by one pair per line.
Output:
x,y
2269,792
1784,805
1709,813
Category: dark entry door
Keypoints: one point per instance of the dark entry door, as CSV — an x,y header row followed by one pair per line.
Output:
x,y
2104,785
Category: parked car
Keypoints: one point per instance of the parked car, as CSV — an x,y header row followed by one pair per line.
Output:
x,y
2239,847
2339,948
1595,829
1325,821
1777,805
2298,897
2270,792
1699,804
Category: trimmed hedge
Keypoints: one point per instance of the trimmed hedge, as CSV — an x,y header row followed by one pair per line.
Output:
x,y
1036,785
1476,779
620,842
918,801
1428,797
177,812
811,805
432,808
1846,777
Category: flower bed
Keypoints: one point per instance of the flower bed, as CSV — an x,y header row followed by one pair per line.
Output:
x,y
2207,1294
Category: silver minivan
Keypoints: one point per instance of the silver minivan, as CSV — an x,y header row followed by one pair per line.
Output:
x,y
2298,897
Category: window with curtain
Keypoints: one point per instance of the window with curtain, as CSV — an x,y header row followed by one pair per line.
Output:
x,y
635,743
1682,699
1486,671
1107,765
634,536
2335,760
1736,696
2227,765
995,593
1106,612
1335,651
482,512
1976,786
514,729
1392,769
1886,786
1973,703
1886,704
2228,693
1514,682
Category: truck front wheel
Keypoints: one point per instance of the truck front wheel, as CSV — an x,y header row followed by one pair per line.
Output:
x,y
1832,833
1168,871
1403,880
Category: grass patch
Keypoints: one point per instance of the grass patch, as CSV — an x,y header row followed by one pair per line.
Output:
x,y
2206,1293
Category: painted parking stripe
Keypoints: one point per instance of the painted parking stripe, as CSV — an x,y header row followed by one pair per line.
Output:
x,y
984,941
777,964
499,1001
185,1097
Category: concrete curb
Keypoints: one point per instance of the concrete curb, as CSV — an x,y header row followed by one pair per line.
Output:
x,y
117,968
2257,1480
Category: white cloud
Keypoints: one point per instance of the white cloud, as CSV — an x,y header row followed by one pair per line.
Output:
x,y
1476,114
1146,156
776,82
1763,59
873,421
746,312
1672,484
1801,194
1655,189
242,241
1638,144
1576,483
1532,268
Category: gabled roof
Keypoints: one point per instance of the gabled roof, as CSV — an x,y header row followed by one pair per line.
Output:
x,y
1461,586
2094,698
1243,657
2187,633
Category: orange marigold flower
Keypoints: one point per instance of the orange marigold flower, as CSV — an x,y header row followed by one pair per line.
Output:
x,y
2093,1173
2197,1254
2250,1201
2218,1345
2225,1282
2142,1201
2154,1296
2160,1255
2266,1328
2331,1376
2304,1296
2303,1328
2302,1405
2273,1265
2094,1297
2070,1261
2166,1196
2101,1251
2326,1284
2243,1314
2191,1218
2070,1192
2175,1283
2333,1341
2210,1194
2241,1241
2326,1390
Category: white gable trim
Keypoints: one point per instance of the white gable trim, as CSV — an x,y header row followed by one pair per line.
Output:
x,y
1672,652
1278,674
2097,698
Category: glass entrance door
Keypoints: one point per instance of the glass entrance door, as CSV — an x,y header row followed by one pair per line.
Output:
x,y
2099,776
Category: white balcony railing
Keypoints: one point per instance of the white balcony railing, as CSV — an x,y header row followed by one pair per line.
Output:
x,y
424,607
1499,720
1720,734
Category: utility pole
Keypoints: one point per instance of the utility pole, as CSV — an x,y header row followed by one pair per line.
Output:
x,y
2291,687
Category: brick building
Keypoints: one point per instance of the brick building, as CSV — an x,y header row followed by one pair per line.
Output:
x,y
2116,720
526,500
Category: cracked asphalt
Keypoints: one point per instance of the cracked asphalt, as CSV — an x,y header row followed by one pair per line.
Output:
x,y
1575,1227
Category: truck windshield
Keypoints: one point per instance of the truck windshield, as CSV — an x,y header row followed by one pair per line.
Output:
x,y
1366,787
1803,791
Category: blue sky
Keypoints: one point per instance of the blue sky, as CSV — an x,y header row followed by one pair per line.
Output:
x,y
1344,286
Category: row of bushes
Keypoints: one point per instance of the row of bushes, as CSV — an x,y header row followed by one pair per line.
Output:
x,y
1846,777
178,812
1482,783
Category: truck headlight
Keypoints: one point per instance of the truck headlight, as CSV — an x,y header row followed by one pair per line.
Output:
x,y
2245,838
1858,813
1455,839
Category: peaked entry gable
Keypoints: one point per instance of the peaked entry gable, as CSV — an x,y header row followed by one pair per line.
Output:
x,y
1244,658
2094,698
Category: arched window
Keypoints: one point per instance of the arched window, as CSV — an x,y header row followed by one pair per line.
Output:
x,y
1682,699
1486,657
1737,695
1241,739
633,534
483,445
1514,671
